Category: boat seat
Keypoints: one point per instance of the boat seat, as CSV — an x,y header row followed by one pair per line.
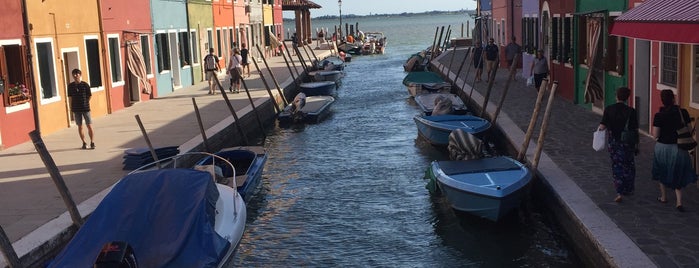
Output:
x,y
478,166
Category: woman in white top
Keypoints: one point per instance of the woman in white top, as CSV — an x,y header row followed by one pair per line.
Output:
x,y
235,69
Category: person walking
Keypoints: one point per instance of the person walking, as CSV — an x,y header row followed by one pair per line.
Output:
x,y
79,93
672,166
235,70
478,60
491,56
617,118
511,50
212,68
539,68
244,52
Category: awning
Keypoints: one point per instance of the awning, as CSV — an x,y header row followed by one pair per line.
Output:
x,y
675,21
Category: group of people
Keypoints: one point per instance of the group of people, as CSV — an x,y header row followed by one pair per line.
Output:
x,y
672,167
237,65
538,70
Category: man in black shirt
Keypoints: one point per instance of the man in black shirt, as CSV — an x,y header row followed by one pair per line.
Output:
x,y
491,56
79,93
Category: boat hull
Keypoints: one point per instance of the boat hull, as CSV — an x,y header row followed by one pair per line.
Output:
x,y
322,88
229,229
425,82
426,102
436,129
248,162
332,76
489,188
315,110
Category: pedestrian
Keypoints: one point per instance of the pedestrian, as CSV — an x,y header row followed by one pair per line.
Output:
x,y
212,68
235,70
617,118
491,56
478,60
244,52
79,93
539,68
511,50
321,38
294,43
672,166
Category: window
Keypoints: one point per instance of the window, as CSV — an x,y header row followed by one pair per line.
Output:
x,y
145,50
185,52
94,65
163,52
209,40
218,42
568,40
669,64
46,66
503,41
615,54
12,66
115,59
232,38
555,35
195,47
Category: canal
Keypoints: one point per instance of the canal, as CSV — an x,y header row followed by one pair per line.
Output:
x,y
349,191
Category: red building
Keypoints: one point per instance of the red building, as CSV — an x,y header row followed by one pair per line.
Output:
x,y
557,29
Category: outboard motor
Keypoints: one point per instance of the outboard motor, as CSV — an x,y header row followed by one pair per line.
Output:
x,y
464,146
296,105
442,106
116,254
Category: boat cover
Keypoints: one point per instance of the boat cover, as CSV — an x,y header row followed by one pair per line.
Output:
x,y
484,165
424,78
165,215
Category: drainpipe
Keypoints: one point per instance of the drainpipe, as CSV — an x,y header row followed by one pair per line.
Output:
x,y
189,37
108,90
27,40
63,71
512,19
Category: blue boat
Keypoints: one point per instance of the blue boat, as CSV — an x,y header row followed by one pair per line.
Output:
x,y
248,164
489,188
436,128
174,217
428,101
331,63
321,88
310,109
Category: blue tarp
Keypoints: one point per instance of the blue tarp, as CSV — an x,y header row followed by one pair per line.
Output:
x,y
162,214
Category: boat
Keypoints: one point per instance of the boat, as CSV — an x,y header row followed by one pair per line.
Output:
x,y
333,75
331,63
306,109
321,88
436,128
488,188
248,162
428,101
350,48
374,43
425,82
172,217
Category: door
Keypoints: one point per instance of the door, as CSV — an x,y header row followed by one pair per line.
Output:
x,y
641,83
175,61
70,62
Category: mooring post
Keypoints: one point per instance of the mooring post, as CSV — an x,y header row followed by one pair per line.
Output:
x,y
8,251
491,81
292,60
544,128
267,87
254,109
532,122
235,115
513,71
274,79
201,126
150,145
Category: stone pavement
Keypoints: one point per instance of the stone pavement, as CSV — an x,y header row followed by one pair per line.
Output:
x,y
628,233
32,212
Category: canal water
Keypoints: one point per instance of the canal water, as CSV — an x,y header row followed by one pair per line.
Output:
x,y
349,191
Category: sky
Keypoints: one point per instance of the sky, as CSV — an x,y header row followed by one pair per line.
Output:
x,y
367,7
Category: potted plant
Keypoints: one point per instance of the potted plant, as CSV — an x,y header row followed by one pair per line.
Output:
x,y
18,94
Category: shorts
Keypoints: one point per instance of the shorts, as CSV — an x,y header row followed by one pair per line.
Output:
x,y
210,75
79,118
489,64
236,75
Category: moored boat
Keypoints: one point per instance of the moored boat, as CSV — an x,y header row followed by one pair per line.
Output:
x,y
173,217
311,109
374,43
436,128
425,82
249,162
489,188
319,76
428,101
321,88
331,63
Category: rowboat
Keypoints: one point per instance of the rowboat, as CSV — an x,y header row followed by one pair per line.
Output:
x,y
436,128
321,88
489,188
174,217
425,82
249,162
311,109
428,101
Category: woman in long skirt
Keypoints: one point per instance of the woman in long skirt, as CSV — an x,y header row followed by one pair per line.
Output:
x,y
616,118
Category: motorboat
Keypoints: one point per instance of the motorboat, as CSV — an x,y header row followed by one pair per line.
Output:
x,y
450,103
306,109
248,163
489,188
332,75
374,43
320,88
425,82
436,128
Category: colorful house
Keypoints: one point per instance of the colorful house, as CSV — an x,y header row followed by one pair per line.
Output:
x,y
223,25
663,53
64,38
557,30
173,56
599,59
16,85
241,20
128,61
530,41
256,33
200,18
506,24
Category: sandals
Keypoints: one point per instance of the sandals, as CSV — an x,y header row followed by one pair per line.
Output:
x,y
661,200
680,208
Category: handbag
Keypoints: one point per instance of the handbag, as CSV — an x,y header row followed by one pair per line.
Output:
x,y
530,81
599,140
685,136
629,137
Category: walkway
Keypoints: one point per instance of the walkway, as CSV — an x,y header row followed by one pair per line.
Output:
x,y
31,209
629,233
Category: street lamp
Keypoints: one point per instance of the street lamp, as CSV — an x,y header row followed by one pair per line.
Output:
x,y
339,4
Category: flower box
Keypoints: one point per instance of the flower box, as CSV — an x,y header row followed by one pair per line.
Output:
x,y
18,99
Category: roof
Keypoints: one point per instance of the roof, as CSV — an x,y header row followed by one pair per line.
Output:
x,y
660,20
663,11
298,5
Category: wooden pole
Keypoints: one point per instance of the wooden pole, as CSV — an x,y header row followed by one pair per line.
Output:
x,y
8,251
453,52
292,60
201,126
254,109
235,115
291,72
544,128
303,62
458,72
56,177
434,42
313,53
532,122
491,81
150,145
267,87
513,71
274,79
308,56
438,43
446,37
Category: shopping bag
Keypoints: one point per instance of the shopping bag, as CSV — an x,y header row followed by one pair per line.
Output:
x,y
599,140
530,81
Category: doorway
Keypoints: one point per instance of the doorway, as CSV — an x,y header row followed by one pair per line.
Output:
x,y
641,83
175,61
70,62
